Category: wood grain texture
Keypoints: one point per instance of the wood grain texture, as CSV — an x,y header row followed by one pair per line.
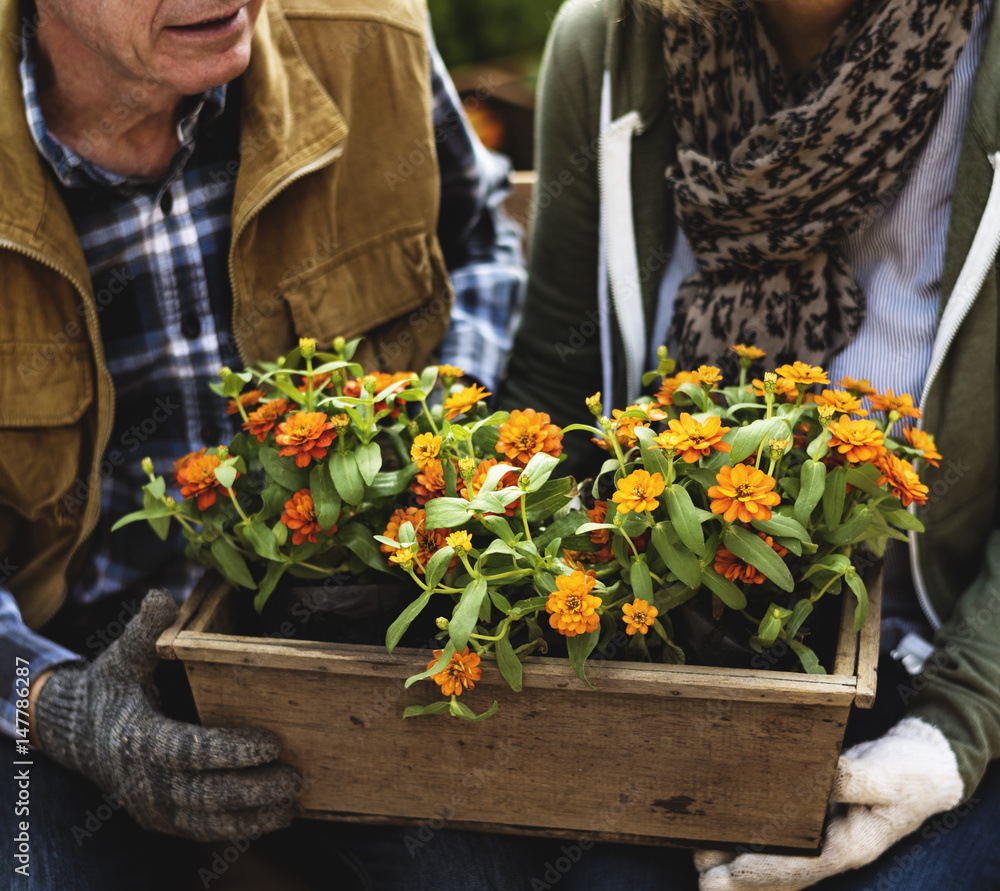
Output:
x,y
869,647
659,754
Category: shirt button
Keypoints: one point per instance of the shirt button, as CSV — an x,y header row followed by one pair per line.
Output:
x,y
190,325
210,432
167,203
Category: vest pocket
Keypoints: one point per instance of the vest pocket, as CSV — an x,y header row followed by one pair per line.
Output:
x,y
392,289
44,392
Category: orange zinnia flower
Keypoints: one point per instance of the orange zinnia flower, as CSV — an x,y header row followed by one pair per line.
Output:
x,y
665,396
638,492
429,484
902,404
744,351
259,423
699,437
843,402
397,519
464,401
783,387
857,441
708,376
733,568
860,388
803,373
669,440
251,397
181,462
461,672
300,516
196,477
471,490
923,441
639,616
624,428
744,494
429,541
450,371
306,434
425,449
902,479
525,434
573,608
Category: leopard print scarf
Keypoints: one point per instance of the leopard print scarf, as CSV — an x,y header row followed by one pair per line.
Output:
x,y
771,175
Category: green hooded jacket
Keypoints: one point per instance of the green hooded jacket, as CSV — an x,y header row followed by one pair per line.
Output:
x,y
586,172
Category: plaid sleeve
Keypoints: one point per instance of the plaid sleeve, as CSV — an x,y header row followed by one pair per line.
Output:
x,y
19,647
481,245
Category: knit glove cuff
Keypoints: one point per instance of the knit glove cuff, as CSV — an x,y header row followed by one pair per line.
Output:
x,y
61,713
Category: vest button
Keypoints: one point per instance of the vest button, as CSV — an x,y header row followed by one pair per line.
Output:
x,y
210,432
190,325
167,203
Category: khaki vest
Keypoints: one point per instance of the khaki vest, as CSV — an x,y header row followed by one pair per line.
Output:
x,y
334,221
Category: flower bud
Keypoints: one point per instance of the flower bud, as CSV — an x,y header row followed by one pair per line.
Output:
x,y
169,501
337,377
467,468
147,466
225,371
338,344
770,383
523,482
307,346
594,404
442,623
662,354
826,415
618,520
369,383
222,452
777,448
414,429
339,421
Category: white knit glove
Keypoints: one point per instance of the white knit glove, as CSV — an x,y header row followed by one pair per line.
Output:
x,y
890,787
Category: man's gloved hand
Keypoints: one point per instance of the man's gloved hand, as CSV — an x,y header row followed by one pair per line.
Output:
x,y
173,777
890,786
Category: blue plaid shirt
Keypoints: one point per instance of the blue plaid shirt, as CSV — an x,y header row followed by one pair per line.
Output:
x,y
157,252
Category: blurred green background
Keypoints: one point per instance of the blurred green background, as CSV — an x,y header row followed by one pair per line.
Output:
x,y
492,49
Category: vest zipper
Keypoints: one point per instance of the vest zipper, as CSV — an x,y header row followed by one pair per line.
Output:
x,y
93,509
324,160
970,282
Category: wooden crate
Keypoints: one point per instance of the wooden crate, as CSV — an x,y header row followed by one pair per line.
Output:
x,y
659,754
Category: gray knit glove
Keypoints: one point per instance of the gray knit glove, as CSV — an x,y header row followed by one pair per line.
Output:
x,y
178,778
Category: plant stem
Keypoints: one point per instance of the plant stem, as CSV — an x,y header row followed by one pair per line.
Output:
x,y
524,516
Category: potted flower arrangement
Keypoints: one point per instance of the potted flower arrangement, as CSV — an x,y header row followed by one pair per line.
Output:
x,y
754,497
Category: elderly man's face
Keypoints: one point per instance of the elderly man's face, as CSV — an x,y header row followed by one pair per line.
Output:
x,y
185,45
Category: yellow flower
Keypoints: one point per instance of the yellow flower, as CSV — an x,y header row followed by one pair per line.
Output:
x,y
902,479
699,437
842,401
750,353
573,608
464,401
860,388
802,373
857,441
639,616
452,371
744,494
638,492
460,541
708,376
425,449
461,672
923,441
670,385
525,434
902,404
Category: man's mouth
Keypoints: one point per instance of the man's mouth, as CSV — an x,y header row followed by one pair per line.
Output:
x,y
208,24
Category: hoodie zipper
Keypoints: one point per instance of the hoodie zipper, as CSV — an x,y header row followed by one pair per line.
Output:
x,y
324,160
970,282
93,509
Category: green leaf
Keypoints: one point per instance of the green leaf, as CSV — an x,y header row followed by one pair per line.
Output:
x,y
544,584
509,664
436,668
864,477
685,518
497,546
653,458
751,549
398,628
548,499
580,647
782,526
833,497
388,484
813,477
770,626
226,475
800,613
809,660
819,447
837,564
274,497
904,520
499,527
231,563
347,477
435,708
157,488
283,470
493,477
324,496
466,613
852,529
358,540
369,461
259,534
267,585
438,565
642,583
857,585
695,393
450,479
538,470
148,514
724,589
748,439
680,561
461,710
